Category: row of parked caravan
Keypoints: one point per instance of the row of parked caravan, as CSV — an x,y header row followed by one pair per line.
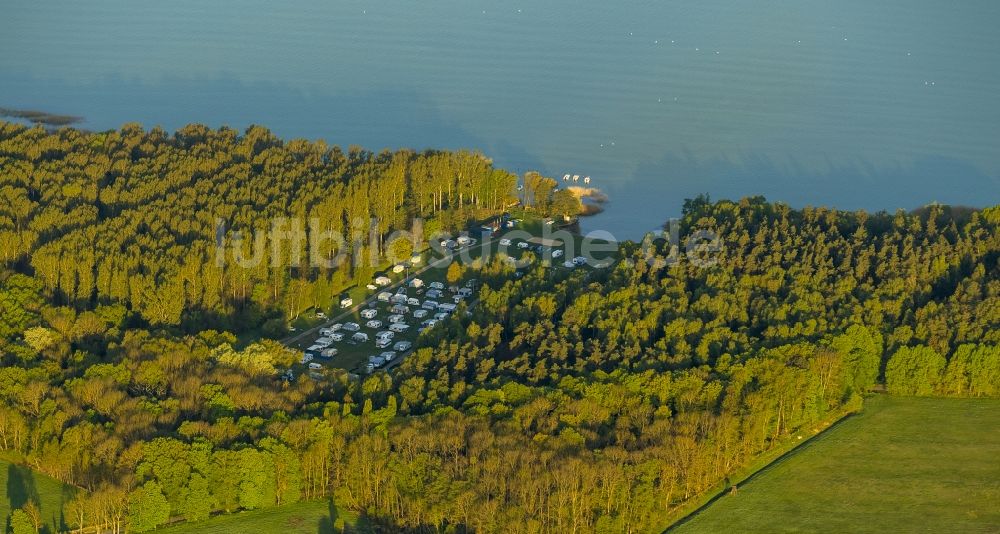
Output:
x,y
377,361
436,290
458,242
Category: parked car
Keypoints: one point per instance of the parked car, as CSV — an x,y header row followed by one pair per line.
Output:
x,y
557,253
523,244
505,242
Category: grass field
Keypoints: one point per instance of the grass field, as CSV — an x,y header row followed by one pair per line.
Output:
x,y
902,465
310,517
20,484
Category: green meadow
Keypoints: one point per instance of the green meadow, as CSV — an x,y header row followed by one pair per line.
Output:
x,y
901,465
20,484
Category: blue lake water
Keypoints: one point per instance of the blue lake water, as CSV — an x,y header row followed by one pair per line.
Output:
x,y
853,104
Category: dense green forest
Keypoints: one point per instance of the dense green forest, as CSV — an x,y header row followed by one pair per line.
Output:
x,y
566,401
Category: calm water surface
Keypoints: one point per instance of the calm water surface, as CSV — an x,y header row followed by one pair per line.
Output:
x,y
854,104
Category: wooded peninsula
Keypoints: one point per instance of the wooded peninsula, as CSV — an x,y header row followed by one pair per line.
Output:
x,y
147,376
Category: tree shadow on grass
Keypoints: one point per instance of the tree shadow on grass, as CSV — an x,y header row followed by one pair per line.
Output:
x,y
21,486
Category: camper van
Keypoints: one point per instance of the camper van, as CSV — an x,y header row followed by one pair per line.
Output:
x,y
346,302
315,366
383,281
337,336
323,341
419,314
352,327
399,327
328,331
360,337
328,352
374,323
429,305
398,318
384,296
402,346
437,285
370,313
